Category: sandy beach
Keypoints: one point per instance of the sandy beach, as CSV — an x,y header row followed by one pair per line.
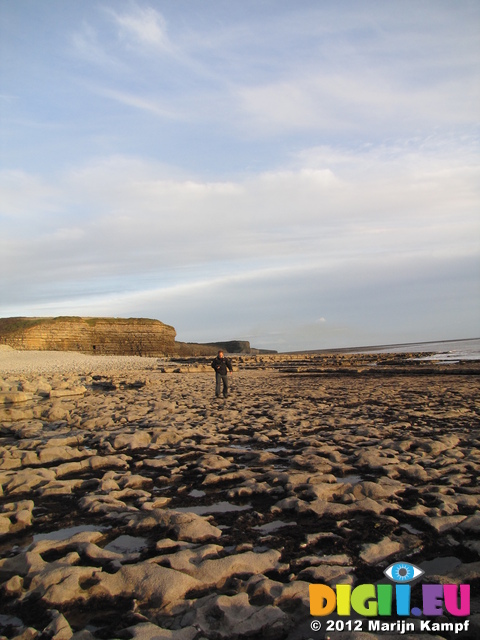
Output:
x,y
134,504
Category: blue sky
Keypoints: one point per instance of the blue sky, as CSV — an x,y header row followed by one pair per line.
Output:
x,y
298,174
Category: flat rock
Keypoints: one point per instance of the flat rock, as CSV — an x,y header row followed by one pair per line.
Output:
x,y
184,526
375,552
149,631
15,396
147,583
232,617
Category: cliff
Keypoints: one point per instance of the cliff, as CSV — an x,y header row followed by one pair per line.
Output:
x,y
105,336
212,348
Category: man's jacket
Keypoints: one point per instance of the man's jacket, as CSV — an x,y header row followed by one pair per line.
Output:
x,y
221,364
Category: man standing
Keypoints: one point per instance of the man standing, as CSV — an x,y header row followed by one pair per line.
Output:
x,y
221,365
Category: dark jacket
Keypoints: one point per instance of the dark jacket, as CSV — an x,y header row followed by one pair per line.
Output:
x,y
221,364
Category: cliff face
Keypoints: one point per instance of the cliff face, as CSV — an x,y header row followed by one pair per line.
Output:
x,y
105,336
212,348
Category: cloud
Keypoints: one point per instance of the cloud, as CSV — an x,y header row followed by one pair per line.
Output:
x,y
87,45
25,196
143,27
351,101
153,106
283,248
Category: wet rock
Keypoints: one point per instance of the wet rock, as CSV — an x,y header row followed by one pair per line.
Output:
x,y
14,396
149,631
234,617
328,574
442,524
74,542
132,441
147,583
27,480
103,504
375,552
58,629
72,391
24,564
471,524
60,583
57,454
213,461
216,572
184,526
13,587
187,560
16,516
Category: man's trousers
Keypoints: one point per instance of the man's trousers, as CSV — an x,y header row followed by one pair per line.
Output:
x,y
219,379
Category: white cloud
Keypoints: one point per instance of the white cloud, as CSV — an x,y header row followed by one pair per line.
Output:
x,y
87,45
25,196
302,242
153,106
143,26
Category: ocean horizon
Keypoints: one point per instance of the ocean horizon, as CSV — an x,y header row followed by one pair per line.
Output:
x,y
440,350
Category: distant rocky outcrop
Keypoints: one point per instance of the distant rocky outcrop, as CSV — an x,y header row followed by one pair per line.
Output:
x,y
108,336
212,348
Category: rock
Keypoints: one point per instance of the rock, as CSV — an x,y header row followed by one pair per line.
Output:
x,y
471,523
58,629
59,583
103,504
444,523
55,454
262,590
147,583
213,462
232,617
187,560
132,441
216,572
24,564
74,542
149,631
29,634
373,553
13,587
328,574
27,480
57,412
184,526
72,391
15,396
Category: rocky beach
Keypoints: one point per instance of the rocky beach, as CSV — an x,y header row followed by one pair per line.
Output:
x,y
133,504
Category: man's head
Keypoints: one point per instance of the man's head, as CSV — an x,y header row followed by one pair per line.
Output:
x,y
220,354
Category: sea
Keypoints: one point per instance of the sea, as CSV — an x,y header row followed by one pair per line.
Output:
x,y
443,351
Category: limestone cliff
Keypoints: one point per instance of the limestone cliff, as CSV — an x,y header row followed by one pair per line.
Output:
x,y
103,336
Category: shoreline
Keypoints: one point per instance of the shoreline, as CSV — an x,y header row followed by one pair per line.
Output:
x,y
26,362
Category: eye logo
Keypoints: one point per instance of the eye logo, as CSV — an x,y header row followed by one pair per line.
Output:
x,y
403,572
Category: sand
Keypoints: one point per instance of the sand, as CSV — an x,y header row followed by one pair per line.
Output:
x,y
135,504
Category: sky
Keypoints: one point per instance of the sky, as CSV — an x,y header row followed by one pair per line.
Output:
x,y
300,174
